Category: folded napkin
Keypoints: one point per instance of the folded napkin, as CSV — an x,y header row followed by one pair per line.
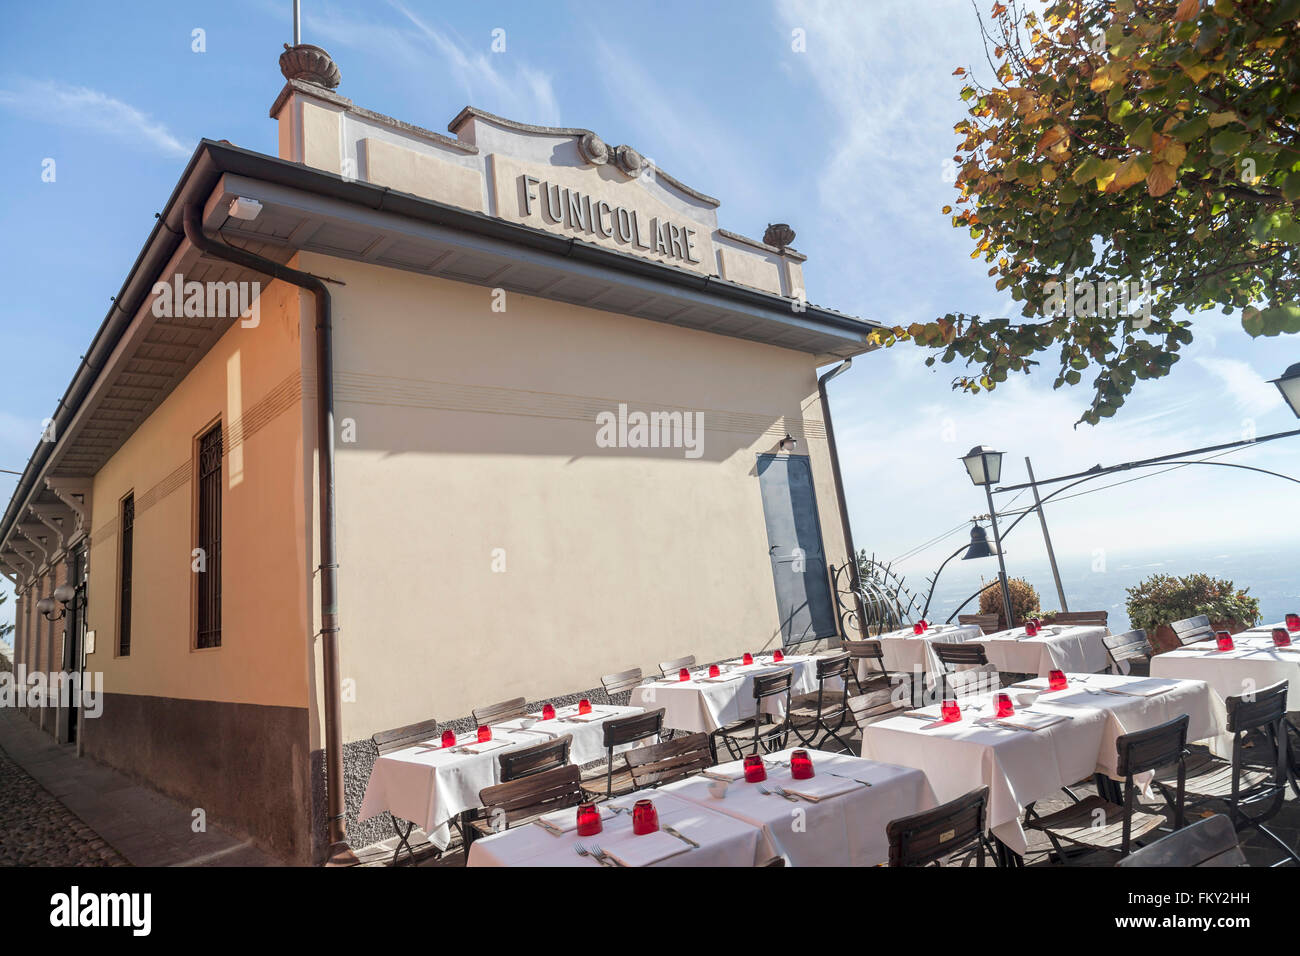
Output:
x,y
633,850
566,819
720,679
820,787
486,747
584,718
1141,688
1031,720
722,773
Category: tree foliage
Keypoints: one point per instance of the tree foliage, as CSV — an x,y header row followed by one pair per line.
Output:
x,y
1133,142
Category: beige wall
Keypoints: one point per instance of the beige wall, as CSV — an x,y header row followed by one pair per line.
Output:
x,y
475,430
251,380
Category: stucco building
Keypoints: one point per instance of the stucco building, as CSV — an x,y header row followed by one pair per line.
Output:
x,y
399,423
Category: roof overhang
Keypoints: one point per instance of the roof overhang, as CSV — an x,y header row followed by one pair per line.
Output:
x,y
136,358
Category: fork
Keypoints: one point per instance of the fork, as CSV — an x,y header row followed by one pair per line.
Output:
x,y
776,793
604,857
581,850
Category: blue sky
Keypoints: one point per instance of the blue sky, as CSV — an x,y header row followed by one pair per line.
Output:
x,y
847,141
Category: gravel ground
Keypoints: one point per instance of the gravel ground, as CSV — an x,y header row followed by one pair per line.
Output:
x,y
37,830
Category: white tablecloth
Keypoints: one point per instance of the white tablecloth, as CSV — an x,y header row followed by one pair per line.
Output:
x,y
911,654
844,830
1020,766
1072,648
1253,664
703,705
431,786
724,840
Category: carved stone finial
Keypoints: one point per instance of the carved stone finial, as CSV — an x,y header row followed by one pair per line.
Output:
x,y
593,149
778,234
310,64
629,160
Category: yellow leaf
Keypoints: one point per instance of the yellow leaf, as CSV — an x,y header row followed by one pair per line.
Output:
x,y
1222,119
1161,179
1173,154
1050,138
1187,10
1130,172
1048,173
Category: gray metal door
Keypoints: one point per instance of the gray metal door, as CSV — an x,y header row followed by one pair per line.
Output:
x,y
794,537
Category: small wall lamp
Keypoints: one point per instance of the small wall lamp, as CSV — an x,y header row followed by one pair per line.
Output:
x,y
788,442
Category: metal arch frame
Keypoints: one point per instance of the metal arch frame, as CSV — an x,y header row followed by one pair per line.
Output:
x,y
885,600
1089,477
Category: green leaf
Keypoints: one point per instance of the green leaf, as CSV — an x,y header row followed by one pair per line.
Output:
x,y
1229,141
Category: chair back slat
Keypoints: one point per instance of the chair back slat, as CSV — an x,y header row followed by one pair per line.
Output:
x,y
981,679
671,760
530,796
399,738
952,655
1211,842
865,650
673,668
1154,748
1193,629
1259,710
770,685
549,754
1081,617
987,623
925,837
832,666
1129,646
874,706
622,682
630,729
496,713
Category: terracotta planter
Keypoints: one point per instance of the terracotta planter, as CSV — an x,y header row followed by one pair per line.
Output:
x,y
1164,638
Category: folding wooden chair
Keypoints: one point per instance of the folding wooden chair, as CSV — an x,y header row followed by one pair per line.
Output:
x,y
523,800
825,711
618,732
1130,652
499,713
762,730
675,759
1209,842
928,837
399,738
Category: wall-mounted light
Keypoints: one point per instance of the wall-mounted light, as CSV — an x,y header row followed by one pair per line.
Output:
x,y
788,443
46,607
247,209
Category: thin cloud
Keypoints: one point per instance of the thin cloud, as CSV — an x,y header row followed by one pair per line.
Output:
x,y
1244,385
80,107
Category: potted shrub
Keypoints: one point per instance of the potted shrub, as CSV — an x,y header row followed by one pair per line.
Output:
x,y
1024,602
1164,598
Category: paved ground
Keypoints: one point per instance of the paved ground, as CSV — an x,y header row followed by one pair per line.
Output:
x,y
57,809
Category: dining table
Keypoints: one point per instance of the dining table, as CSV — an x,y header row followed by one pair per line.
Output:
x,y
702,837
1078,648
1253,664
1054,739
432,785
837,818
704,704
910,653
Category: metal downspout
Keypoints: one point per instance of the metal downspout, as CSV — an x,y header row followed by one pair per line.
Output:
x,y
338,852
854,581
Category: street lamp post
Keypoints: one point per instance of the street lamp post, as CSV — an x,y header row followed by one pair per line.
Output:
x,y
985,468
1289,386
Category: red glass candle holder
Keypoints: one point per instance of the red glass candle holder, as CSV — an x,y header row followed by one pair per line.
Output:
x,y
714,671
645,818
448,738
1281,638
1038,623
918,628
748,658
950,711
584,706
778,656
801,767
1056,680
1293,622
1031,628
588,819
484,734
1004,705
755,772
683,674
1224,640
548,712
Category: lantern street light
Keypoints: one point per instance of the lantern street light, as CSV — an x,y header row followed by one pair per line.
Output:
x,y
1289,386
985,468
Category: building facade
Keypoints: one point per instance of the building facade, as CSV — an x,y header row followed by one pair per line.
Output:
x,y
573,426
